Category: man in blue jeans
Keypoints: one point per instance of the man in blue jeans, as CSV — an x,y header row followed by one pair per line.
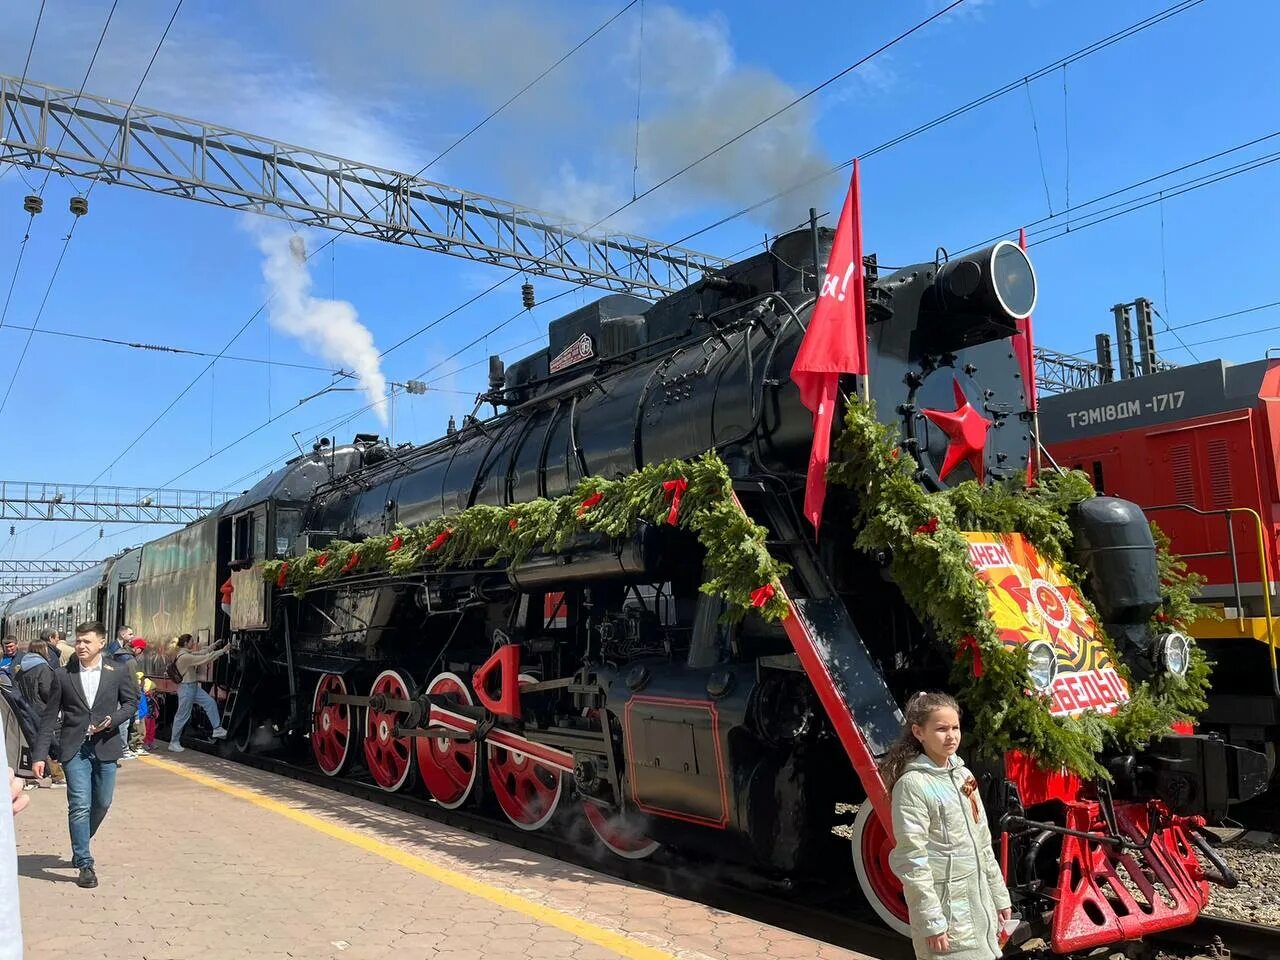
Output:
x,y
95,697
189,661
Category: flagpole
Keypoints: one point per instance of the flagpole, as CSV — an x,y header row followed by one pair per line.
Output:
x,y
813,235
864,378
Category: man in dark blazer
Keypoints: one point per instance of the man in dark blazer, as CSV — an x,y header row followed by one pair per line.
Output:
x,y
95,697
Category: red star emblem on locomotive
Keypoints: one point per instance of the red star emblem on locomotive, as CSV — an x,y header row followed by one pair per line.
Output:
x,y
966,431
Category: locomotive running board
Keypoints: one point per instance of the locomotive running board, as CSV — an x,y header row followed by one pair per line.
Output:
x,y
849,683
849,686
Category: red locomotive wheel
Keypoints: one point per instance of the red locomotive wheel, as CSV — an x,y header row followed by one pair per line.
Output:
x,y
883,890
388,757
332,731
618,833
448,767
527,791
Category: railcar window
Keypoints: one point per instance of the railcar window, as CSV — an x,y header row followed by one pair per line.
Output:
x,y
288,526
259,525
242,533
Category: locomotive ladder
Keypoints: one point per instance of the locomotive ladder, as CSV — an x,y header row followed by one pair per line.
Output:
x,y
846,678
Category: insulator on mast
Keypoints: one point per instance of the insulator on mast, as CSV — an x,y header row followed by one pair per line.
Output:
x,y
526,295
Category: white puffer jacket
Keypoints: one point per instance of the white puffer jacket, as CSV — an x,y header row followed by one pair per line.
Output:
x,y
945,860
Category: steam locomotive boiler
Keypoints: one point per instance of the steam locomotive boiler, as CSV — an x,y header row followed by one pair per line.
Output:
x,y
598,686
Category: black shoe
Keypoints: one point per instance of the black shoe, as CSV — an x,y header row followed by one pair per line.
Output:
x,y
87,878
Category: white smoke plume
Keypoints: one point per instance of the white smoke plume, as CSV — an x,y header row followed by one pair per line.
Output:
x,y
328,328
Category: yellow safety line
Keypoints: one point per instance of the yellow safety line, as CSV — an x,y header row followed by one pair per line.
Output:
x,y
608,939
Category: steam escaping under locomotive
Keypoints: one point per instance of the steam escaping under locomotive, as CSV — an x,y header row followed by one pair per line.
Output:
x,y
599,685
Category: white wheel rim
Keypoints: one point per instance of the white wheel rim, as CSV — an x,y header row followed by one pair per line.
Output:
x,y
384,734
860,821
442,743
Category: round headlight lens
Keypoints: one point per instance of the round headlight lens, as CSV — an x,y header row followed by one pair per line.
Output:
x,y
1042,665
1014,279
1175,653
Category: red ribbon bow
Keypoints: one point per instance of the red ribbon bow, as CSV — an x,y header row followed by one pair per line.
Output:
x,y
284,574
511,524
590,502
322,560
439,541
969,643
396,543
762,595
352,562
930,527
675,490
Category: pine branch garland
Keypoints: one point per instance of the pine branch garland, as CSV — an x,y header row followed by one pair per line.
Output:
x,y
737,559
921,533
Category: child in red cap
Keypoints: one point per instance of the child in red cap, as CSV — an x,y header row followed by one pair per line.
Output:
x,y
143,734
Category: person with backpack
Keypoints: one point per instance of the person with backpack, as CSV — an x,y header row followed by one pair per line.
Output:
x,y
35,681
184,671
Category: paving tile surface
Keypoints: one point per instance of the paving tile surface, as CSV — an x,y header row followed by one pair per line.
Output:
x,y
188,871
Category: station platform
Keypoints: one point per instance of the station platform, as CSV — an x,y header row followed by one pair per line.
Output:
x,y
201,857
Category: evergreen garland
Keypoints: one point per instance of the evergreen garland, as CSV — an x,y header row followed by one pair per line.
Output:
x,y
695,495
928,557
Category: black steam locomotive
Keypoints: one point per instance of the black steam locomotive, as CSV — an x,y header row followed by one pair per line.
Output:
x,y
641,711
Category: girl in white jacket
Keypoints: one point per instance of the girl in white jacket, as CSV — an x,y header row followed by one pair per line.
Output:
x,y
956,895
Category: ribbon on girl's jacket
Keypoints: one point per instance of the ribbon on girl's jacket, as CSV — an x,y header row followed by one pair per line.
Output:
x,y
970,790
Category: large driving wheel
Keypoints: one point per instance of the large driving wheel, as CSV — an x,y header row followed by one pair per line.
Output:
x,y
448,767
883,890
333,728
388,757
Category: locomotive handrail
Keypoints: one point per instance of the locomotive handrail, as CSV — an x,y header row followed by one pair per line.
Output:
x,y
1226,512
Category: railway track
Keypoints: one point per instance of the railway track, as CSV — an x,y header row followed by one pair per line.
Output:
x,y
833,919
1219,937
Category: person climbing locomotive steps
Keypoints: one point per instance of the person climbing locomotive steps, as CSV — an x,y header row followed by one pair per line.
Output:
x,y
956,895
186,666
95,697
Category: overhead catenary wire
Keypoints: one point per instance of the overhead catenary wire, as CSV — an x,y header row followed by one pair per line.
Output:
x,y
1088,50
887,45
80,93
178,351
523,90
26,234
71,233
22,80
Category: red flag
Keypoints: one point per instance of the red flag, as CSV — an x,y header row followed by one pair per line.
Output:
x,y
835,343
1024,345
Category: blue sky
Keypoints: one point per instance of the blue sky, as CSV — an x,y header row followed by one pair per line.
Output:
x,y
395,81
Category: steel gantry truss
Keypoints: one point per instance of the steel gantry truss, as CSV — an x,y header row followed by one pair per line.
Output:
x,y
84,135
17,586
1061,372
93,503
58,568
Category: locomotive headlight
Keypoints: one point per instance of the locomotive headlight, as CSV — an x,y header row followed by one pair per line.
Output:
x,y
1013,280
1173,653
1042,665
979,296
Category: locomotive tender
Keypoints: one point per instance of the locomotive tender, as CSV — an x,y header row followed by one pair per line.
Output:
x,y
600,686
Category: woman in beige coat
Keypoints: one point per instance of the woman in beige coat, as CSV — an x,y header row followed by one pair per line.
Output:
x,y
956,896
